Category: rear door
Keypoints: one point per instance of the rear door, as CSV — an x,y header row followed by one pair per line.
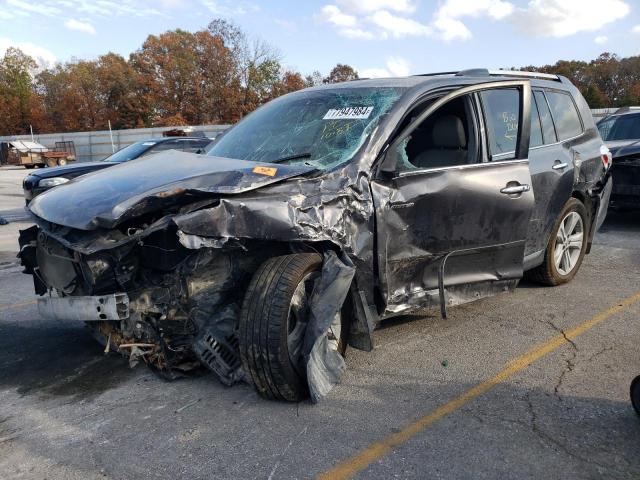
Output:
x,y
452,222
552,166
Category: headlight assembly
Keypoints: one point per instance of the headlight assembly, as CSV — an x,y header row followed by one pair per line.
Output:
x,y
52,182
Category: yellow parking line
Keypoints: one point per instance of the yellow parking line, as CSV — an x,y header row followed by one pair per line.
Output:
x,y
17,305
351,466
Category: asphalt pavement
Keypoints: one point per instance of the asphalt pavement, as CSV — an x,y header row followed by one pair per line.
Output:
x,y
531,384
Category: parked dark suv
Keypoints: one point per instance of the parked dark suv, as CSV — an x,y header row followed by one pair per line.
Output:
x,y
326,211
42,180
621,132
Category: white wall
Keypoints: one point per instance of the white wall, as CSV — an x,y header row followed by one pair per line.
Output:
x,y
94,146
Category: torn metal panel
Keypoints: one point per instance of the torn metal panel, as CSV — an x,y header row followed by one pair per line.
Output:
x,y
325,365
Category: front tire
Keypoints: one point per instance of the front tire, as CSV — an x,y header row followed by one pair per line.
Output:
x,y
566,247
272,325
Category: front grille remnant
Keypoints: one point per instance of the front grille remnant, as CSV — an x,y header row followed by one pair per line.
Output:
x,y
220,355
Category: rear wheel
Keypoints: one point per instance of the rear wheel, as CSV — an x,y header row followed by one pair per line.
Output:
x,y
273,323
635,394
566,248
62,161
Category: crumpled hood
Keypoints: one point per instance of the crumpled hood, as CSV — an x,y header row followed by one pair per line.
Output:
x,y
108,197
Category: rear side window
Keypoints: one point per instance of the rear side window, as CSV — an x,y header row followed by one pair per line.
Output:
x,y
565,115
548,131
535,139
502,112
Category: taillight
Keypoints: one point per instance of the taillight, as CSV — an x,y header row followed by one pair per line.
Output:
x,y
605,156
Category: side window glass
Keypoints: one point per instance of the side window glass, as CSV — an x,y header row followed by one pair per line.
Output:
x,y
446,138
548,131
502,112
565,115
535,139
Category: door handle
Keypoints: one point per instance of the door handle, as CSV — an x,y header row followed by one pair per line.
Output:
x,y
560,166
515,189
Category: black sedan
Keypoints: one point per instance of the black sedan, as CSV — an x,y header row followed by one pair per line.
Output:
x,y
621,133
41,180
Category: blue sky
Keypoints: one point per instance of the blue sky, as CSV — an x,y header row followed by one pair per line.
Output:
x,y
378,37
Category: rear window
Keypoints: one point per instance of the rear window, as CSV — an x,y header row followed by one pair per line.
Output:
x,y
565,115
623,127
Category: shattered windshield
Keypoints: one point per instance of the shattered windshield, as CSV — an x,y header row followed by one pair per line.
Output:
x,y
321,128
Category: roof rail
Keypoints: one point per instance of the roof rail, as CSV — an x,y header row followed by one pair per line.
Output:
x,y
520,73
434,74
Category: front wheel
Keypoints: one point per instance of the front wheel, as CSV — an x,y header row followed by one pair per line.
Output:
x,y
566,248
273,322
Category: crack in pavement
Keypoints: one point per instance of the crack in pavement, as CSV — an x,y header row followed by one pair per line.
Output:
x,y
570,362
560,446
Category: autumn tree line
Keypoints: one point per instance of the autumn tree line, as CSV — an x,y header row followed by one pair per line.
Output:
x,y
213,76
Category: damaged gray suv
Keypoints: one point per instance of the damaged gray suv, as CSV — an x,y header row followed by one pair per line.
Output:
x,y
319,215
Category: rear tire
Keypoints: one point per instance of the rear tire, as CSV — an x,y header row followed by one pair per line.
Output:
x,y
562,258
635,394
267,321
62,162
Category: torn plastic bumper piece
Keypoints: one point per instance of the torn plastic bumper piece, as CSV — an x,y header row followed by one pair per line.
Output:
x,y
97,308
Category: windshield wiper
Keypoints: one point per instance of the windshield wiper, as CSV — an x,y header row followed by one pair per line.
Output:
x,y
291,157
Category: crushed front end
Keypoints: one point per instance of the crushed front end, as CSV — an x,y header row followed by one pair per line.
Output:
x,y
149,297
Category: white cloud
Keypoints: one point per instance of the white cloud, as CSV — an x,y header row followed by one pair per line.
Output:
x,y
451,29
84,27
636,29
447,18
562,18
229,8
397,26
368,6
601,39
356,33
395,67
41,8
332,14
43,57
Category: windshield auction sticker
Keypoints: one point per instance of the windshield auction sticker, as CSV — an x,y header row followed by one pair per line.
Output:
x,y
269,171
348,113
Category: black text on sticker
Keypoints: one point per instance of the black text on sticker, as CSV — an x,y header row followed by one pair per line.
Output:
x,y
348,112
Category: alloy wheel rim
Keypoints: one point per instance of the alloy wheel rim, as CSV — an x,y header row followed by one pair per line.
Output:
x,y
569,241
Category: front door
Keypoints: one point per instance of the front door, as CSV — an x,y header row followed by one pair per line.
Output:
x,y
451,223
